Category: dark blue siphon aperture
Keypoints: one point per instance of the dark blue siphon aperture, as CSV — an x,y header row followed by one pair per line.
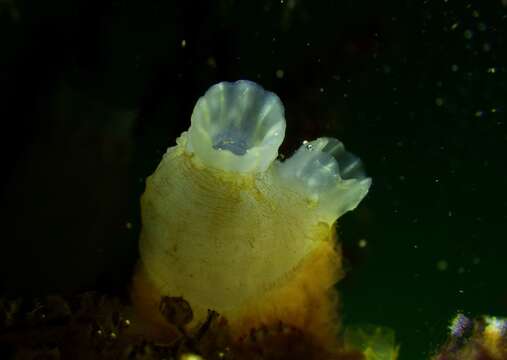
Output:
x,y
233,141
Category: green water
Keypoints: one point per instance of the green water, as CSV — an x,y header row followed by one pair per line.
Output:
x,y
95,92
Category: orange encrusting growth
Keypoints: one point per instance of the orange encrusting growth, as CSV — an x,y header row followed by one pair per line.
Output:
x,y
146,300
305,299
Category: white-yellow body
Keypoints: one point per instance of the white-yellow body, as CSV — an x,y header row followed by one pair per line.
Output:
x,y
239,232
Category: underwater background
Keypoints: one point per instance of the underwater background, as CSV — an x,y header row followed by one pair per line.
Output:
x,y
93,92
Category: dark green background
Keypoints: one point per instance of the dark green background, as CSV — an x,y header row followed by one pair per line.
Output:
x,y
94,91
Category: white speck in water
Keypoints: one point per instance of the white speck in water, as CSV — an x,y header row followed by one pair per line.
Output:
x,y
362,243
279,73
183,43
442,265
212,62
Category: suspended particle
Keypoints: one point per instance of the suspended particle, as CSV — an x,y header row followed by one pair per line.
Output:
x,y
211,62
190,357
442,265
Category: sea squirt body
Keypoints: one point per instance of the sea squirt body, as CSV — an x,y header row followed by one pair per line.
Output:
x,y
229,228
